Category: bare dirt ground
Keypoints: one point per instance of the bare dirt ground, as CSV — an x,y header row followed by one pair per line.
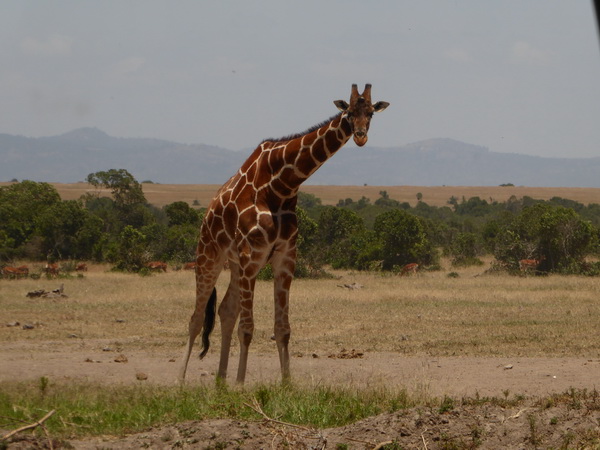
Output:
x,y
482,402
568,421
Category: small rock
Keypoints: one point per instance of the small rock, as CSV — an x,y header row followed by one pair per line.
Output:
x,y
508,367
107,349
28,326
13,324
73,336
121,358
141,376
120,320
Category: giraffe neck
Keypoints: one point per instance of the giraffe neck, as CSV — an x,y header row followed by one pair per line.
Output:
x,y
289,163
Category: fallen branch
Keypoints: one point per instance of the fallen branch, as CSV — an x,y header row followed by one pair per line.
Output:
x,y
39,423
257,408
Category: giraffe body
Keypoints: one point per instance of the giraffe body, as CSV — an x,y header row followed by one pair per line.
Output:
x,y
252,222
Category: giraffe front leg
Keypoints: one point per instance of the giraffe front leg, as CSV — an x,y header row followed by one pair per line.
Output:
x,y
283,271
245,333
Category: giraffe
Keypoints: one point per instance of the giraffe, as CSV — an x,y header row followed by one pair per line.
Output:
x,y
252,222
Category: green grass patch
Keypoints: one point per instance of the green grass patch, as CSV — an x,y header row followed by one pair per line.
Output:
x,y
92,409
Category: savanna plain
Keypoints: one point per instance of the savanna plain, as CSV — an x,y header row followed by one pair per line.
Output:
x,y
428,361
473,360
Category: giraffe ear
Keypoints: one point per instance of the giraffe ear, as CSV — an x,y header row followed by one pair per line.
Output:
x,y
341,105
380,106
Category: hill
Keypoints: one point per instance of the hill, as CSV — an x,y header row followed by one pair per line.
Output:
x,y
72,156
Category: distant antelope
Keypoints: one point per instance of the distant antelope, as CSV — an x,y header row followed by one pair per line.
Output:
x,y
52,269
15,272
81,267
24,270
189,266
157,265
409,269
525,265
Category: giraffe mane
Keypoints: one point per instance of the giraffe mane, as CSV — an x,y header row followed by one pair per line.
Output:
x,y
304,133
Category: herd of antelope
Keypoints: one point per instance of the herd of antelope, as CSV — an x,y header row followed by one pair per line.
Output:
x,y
53,269
50,269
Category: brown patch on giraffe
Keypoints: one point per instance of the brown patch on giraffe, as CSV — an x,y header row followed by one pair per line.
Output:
x,y
331,137
222,239
276,161
225,197
281,188
290,152
243,194
290,174
306,166
318,151
230,218
288,224
265,221
251,270
263,173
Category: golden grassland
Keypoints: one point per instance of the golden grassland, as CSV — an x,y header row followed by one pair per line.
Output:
x,y
163,194
475,314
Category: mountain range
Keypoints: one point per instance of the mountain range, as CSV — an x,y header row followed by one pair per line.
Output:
x,y
70,157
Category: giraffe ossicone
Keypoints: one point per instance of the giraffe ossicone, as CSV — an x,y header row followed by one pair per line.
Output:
x,y
252,222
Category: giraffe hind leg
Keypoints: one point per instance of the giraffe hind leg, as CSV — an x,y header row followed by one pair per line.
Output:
x,y
283,264
197,322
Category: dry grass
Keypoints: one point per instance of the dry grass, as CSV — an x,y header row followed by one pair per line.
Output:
x,y
425,314
163,194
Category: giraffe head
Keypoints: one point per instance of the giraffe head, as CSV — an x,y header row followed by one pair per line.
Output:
x,y
359,112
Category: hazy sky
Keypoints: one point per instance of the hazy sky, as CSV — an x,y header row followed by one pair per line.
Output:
x,y
514,76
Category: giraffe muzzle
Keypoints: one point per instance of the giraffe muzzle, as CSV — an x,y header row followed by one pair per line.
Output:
x,y
360,138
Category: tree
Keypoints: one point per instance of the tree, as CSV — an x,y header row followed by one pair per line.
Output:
x,y
402,239
130,253
554,235
20,205
336,226
129,205
60,226
308,201
180,213
309,261
387,202
181,242
465,249
125,189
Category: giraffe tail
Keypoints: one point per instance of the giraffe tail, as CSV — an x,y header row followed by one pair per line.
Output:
x,y
209,322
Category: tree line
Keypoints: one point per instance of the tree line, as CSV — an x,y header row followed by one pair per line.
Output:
x,y
385,235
